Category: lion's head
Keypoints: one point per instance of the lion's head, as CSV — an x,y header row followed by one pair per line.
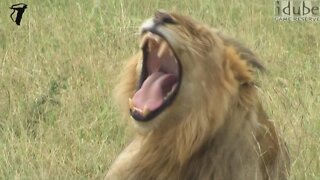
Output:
x,y
191,94
185,70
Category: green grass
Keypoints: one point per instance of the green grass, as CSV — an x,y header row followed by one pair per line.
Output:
x,y
58,69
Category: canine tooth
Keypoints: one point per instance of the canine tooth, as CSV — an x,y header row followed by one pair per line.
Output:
x,y
170,52
154,37
167,95
171,91
157,39
130,104
150,46
143,41
137,109
175,60
145,111
162,49
150,34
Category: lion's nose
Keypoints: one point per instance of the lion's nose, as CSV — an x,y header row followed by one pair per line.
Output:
x,y
161,17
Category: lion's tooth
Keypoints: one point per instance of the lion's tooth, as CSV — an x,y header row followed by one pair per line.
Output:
x,y
143,41
170,92
150,46
136,110
145,111
149,34
162,49
154,36
170,52
131,106
175,60
166,97
157,39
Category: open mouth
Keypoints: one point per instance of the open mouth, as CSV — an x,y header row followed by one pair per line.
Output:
x,y
159,80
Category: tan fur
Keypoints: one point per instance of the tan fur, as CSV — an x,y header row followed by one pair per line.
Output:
x,y
215,129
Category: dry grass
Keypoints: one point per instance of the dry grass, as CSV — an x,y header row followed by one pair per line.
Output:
x,y
57,71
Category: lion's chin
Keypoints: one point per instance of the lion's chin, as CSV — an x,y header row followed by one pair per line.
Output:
x,y
160,78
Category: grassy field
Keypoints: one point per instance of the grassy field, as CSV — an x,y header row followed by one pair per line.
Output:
x,y
58,69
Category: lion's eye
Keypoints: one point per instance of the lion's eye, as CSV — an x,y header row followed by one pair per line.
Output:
x,y
168,20
163,18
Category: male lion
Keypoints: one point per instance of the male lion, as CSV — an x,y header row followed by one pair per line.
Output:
x,y
195,108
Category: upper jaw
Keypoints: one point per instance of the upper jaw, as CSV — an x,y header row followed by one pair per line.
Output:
x,y
151,41
160,76
159,29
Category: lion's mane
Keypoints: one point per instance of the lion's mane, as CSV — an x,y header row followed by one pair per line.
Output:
x,y
216,128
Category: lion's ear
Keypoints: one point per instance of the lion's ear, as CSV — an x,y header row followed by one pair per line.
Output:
x,y
240,69
244,53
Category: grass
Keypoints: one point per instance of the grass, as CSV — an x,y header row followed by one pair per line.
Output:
x,y
57,71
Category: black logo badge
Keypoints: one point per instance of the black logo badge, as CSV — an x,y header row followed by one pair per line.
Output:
x,y
20,10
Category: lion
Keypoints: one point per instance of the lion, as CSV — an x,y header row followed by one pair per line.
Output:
x,y
194,102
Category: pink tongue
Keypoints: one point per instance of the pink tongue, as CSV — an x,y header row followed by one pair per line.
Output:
x,y
153,90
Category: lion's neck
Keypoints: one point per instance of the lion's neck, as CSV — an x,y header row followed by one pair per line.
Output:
x,y
186,148
167,156
159,155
